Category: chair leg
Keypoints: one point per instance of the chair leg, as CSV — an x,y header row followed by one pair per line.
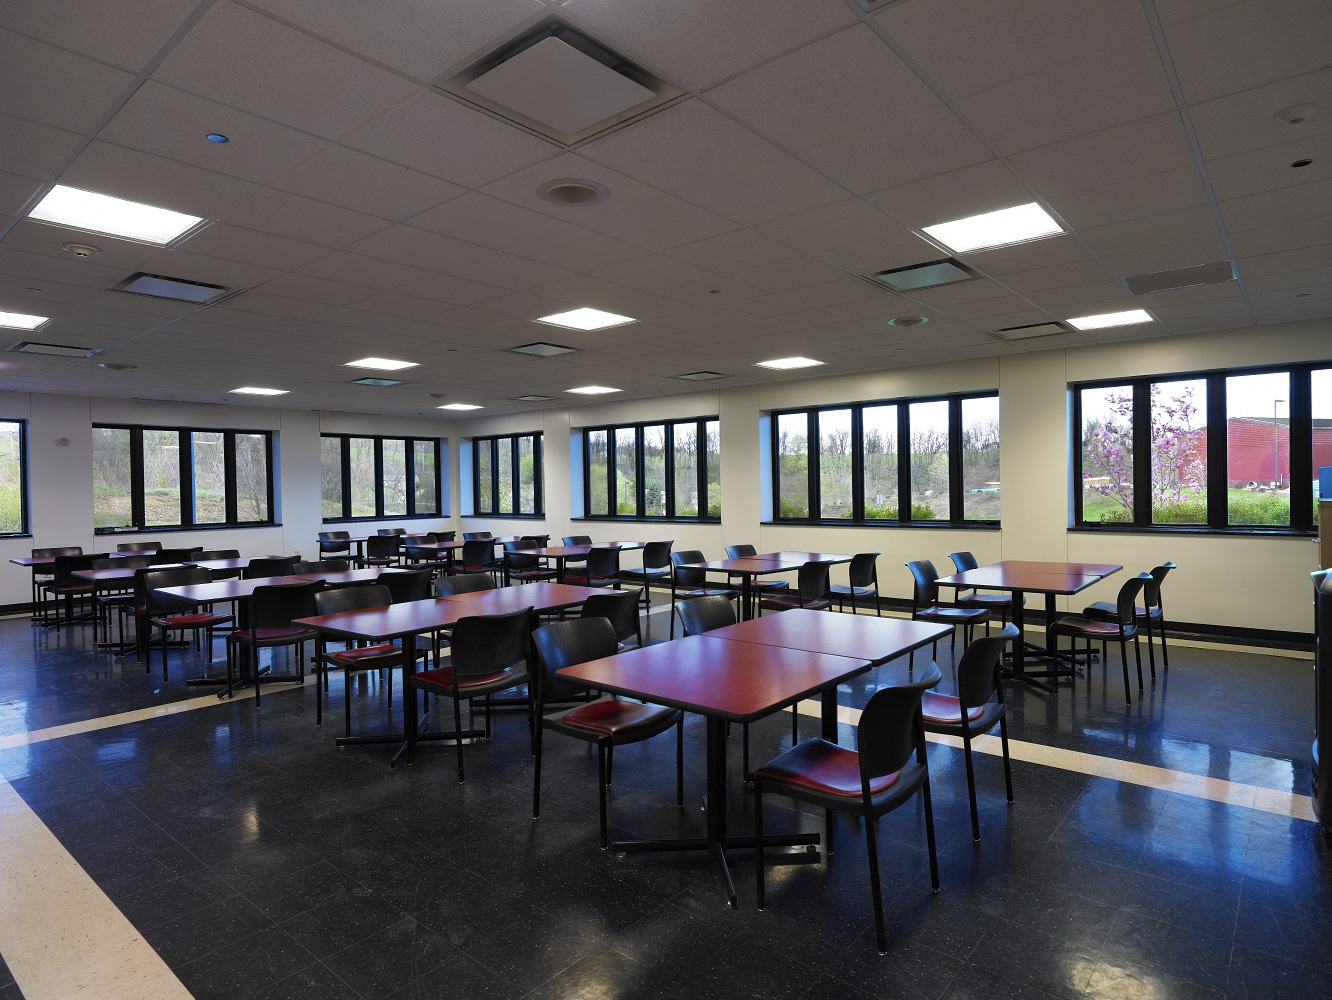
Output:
x,y
601,790
758,839
610,763
1165,656
971,788
795,724
1123,661
536,776
255,667
1137,655
929,835
679,763
744,750
1003,741
829,833
1151,648
457,728
872,843
346,705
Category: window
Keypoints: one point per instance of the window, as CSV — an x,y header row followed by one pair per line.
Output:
x,y
508,477
378,477
13,477
180,477
1215,450
843,463
668,469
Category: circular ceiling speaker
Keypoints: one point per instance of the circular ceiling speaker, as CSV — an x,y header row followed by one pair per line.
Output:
x,y
909,321
573,192
116,366
81,249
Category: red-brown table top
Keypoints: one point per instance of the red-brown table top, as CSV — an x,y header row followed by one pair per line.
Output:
x,y
768,562
127,572
226,564
389,622
343,576
738,681
224,590
578,551
33,560
543,596
866,637
1033,577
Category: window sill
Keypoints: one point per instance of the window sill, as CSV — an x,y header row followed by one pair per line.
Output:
x,y
505,517
16,534
626,519
386,517
1179,529
927,525
177,528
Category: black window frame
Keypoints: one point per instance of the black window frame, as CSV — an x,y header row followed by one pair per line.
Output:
x,y
24,529
1300,437
640,486
185,438
956,489
409,457
495,444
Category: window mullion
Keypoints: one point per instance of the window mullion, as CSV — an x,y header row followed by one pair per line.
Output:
x,y
1300,440
702,474
185,476
857,464
538,475
903,462
640,478
344,441
1142,453
229,485
612,475
956,498
137,515
1218,514
409,464
668,458
812,464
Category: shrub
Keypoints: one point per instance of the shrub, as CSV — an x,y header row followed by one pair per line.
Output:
x,y
1259,509
921,512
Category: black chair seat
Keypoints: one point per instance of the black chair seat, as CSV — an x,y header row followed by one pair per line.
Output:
x,y
261,635
581,579
821,766
783,602
987,600
619,721
1092,628
946,710
1106,611
367,657
194,619
532,574
842,590
947,615
694,592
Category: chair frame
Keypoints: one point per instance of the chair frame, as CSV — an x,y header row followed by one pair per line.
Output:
x,y
1126,618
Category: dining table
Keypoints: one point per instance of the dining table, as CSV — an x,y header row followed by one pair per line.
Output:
x,y
750,567
563,553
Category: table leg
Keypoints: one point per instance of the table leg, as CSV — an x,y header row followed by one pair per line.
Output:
x,y
746,596
829,730
1018,671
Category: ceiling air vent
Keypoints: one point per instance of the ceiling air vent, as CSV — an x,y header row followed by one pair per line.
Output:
x,y
543,350
54,350
931,274
531,399
1181,277
1031,331
560,83
701,376
160,286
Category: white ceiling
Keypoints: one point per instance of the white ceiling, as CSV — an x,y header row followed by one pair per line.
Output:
x,y
365,213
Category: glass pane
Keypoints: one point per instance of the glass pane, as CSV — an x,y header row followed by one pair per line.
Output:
x,y
626,471
425,495
526,475
1107,454
1258,449
792,465
11,475
210,477
362,477
504,474
835,463
161,478
686,469
252,478
395,477
330,467
112,507
1179,452
712,432
929,461
654,470
980,459
598,494
485,482
1322,426
879,430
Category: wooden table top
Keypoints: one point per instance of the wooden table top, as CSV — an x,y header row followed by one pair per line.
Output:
x,y
737,681
33,560
543,596
344,576
225,590
227,564
768,562
578,551
865,637
1033,577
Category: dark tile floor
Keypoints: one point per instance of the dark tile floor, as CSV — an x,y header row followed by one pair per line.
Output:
x,y
260,861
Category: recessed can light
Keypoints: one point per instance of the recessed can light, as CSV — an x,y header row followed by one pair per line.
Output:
x,y
573,192
1296,113
217,137
700,376
80,249
1301,163
785,364
909,321
116,366
34,291
531,399
382,382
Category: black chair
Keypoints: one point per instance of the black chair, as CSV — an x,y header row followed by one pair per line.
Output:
x,y
478,556
1123,628
442,536
523,567
540,541
487,654
691,584
925,606
407,585
757,587
138,546
999,603
266,567
1149,611
572,540
43,575
381,550
812,591
868,782
608,722
320,566
335,543
218,574
602,569
269,626
119,595
382,656
977,706
168,613
464,583
863,581
418,553
477,536
174,557
65,587
391,531
620,608
655,571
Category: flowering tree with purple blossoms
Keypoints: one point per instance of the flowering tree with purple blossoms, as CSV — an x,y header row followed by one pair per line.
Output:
x,y
1179,470
1107,455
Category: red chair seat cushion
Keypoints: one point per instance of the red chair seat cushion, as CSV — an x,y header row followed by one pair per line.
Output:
x,y
353,657
996,600
793,601
443,677
193,619
1106,609
531,574
264,634
946,709
1089,627
823,767
707,592
616,718
580,577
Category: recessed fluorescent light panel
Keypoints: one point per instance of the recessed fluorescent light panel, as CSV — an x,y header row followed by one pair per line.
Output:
x,y
100,213
701,376
1031,330
586,319
542,350
1102,320
54,350
785,364
460,406
996,229
381,364
254,390
22,321
383,382
931,274
592,390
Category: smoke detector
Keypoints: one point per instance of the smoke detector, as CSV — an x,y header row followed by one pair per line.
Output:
x,y
81,249
1296,113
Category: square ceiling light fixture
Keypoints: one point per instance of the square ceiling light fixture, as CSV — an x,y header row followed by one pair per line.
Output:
x,y
254,390
561,83
543,350
159,286
931,274
786,364
381,364
22,321
1101,321
996,229
100,213
592,390
586,319
54,350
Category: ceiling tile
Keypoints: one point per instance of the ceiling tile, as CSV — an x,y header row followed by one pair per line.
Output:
x,y
819,229
1166,258
1153,231
507,271
55,87
125,34
30,149
1270,168
736,250
364,183
884,254
312,289
284,214
1267,208
880,157
1285,236
768,190
415,248
127,173
521,189
1132,199
15,192
955,194
288,76
662,224
793,272
580,249
1053,251
447,290
357,269
1247,120
264,249
488,222
39,238
652,273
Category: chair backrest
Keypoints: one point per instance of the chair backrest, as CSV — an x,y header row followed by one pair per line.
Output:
x,y
391,531
330,602
176,576
334,536
577,539
484,644
963,561
538,541
688,577
334,541
321,566
205,555
281,566
443,536
978,670
421,539
419,553
890,729
465,583
122,562
865,569
1151,592
413,586
703,614
68,550
812,581
740,551
563,644
477,552
64,567
382,546
138,546
1126,601
604,563
476,536
514,556
619,607
657,555
278,606
927,586
162,557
